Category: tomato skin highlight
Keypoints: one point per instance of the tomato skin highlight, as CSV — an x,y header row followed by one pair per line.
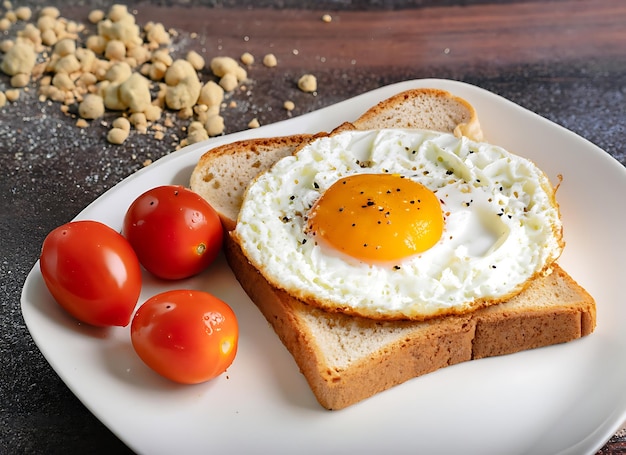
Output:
x,y
92,272
174,231
186,336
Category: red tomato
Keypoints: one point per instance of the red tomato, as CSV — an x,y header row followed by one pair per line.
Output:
x,y
186,336
174,231
92,272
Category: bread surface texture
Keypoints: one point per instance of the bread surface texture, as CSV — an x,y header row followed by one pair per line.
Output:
x,y
346,359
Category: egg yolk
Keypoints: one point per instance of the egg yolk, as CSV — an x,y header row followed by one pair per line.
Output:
x,y
377,217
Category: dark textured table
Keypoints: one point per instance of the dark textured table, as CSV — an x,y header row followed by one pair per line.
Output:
x,y
565,60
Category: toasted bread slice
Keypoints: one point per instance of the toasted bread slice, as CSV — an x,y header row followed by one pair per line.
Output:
x,y
429,108
346,359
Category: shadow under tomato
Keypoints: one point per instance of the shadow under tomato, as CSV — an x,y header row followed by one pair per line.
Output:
x,y
122,362
143,384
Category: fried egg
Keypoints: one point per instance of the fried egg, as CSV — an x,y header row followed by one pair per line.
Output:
x,y
400,224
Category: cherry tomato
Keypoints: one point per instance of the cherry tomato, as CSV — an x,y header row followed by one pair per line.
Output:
x,y
92,272
174,231
186,336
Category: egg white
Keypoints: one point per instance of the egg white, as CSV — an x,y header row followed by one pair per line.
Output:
x,y
502,225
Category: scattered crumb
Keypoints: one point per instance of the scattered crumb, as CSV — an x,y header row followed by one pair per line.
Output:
x,y
229,82
122,123
5,45
118,66
91,107
20,58
117,136
20,80
197,135
50,11
95,16
139,122
247,58
270,61
307,83
12,95
214,125
23,13
196,60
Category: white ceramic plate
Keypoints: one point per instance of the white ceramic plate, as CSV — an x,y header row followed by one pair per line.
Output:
x,y
561,399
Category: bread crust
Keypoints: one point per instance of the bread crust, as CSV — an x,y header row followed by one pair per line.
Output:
x,y
553,309
439,110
